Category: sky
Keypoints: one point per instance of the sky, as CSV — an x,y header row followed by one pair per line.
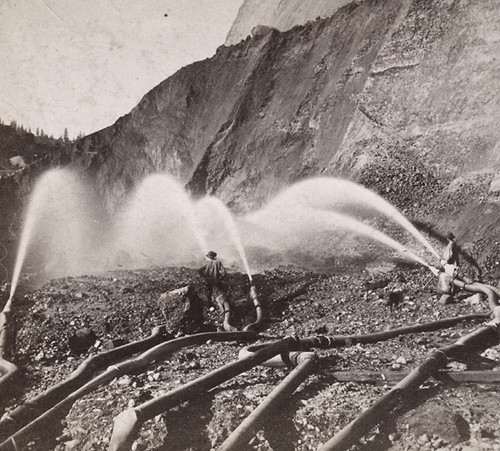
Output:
x,y
81,64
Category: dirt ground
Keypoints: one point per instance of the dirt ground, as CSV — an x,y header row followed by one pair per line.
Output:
x,y
60,324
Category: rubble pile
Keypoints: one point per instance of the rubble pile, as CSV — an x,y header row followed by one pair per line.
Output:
x,y
67,320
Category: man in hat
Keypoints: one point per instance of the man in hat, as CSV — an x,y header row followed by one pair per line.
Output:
x,y
214,273
450,254
449,270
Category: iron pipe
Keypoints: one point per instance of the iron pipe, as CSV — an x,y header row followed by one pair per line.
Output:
x,y
477,287
480,339
39,404
7,369
393,377
29,432
258,311
337,341
306,363
128,423
228,327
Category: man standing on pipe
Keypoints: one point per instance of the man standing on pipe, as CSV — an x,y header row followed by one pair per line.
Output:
x,y
449,270
450,253
214,273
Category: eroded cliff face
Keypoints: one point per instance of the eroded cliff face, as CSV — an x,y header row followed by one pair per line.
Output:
x,y
279,14
401,96
397,95
172,126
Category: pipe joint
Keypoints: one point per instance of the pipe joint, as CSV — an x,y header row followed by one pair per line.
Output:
x,y
325,342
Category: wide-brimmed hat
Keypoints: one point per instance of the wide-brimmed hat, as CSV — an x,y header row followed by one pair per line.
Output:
x,y
450,236
211,254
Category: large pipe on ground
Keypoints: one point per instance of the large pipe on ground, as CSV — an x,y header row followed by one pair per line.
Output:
x,y
7,369
337,341
477,287
393,377
128,423
477,341
306,363
228,327
258,311
160,352
41,403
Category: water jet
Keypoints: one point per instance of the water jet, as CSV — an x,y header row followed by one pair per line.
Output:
x,y
327,193
212,203
312,220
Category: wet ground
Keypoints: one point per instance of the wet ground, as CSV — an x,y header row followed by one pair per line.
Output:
x,y
66,320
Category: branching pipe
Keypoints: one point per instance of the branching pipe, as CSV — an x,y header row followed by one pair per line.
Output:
x,y
258,311
128,423
337,341
477,287
306,363
160,352
7,369
477,341
39,404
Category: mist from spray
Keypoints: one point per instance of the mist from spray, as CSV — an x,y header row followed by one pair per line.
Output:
x,y
56,227
341,221
158,222
291,228
212,203
335,193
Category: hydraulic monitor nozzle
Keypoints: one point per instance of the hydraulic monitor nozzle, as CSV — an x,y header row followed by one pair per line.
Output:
x,y
253,293
434,270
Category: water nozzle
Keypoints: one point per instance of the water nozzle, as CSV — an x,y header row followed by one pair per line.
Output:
x,y
253,293
434,270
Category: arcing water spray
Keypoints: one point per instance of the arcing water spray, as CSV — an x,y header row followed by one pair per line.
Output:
x,y
231,227
328,192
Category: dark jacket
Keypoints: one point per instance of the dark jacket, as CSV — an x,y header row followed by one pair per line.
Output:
x,y
213,271
450,254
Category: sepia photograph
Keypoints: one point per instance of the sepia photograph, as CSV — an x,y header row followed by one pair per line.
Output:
x,y
238,225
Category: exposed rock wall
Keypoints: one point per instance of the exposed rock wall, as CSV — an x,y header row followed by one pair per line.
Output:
x,y
398,95
401,96
279,14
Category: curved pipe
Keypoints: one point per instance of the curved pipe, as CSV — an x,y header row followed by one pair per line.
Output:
x,y
258,311
306,363
128,423
337,341
477,341
7,369
228,327
19,439
477,287
393,377
36,406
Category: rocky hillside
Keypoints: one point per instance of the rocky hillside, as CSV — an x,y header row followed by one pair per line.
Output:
x,y
72,319
279,14
400,96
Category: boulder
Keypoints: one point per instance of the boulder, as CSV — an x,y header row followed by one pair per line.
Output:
x,y
438,421
81,340
259,31
182,309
